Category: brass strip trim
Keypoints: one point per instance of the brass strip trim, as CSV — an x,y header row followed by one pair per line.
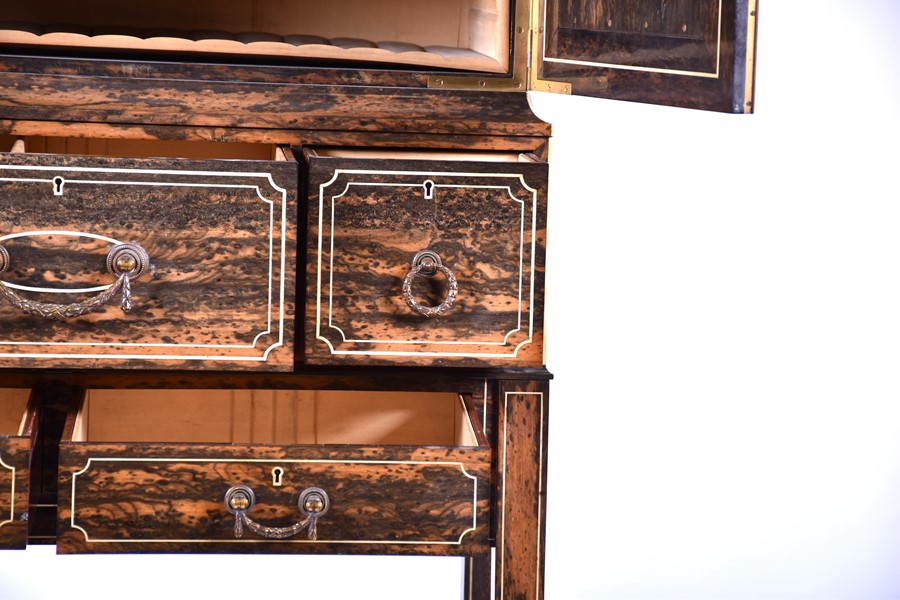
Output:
x,y
751,55
456,464
536,45
515,81
319,278
494,84
12,492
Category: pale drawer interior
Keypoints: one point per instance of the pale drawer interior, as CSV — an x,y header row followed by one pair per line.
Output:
x,y
436,155
461,34
283,417
125,148
13,408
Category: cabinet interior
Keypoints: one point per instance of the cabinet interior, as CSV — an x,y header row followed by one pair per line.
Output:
x,y
13,407
457,34
283,417
127,148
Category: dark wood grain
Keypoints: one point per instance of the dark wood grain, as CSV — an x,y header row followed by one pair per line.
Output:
x,y
217,234
14,475
52,406
685,53
305,377
396,500
150,498
228,104
487,222
208,71
521,510
681,18
477,578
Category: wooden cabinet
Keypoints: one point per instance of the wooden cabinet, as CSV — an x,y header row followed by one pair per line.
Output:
x,y
274,271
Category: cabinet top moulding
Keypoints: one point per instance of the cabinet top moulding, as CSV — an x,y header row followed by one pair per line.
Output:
x,y
96,92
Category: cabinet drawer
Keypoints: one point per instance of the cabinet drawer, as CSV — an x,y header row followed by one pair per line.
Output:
x,y
15,453
217,286
399,473
417,258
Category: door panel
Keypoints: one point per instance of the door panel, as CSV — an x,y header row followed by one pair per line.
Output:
x,y
690,53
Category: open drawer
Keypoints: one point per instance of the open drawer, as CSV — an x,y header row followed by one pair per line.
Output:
x,y
126,261
274,471
15,453
425,257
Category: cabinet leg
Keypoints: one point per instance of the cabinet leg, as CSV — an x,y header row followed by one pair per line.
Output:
x,y
522,459
53,403
478,578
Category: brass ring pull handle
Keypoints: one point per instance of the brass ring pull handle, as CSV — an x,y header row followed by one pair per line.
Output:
x,y
313,503
426,264
126,261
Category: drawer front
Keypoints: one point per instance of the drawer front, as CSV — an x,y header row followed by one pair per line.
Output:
x,y
218,287
153,498
14,459
368,295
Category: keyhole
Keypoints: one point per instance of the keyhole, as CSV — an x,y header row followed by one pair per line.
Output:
x,y
58,183
277,472
429,189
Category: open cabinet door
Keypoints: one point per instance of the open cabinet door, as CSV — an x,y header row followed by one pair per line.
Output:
x,y
689,53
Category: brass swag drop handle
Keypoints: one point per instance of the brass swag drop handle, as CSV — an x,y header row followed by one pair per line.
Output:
x,y
126,261
313,503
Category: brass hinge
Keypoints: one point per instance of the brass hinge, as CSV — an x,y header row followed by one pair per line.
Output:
x,y
554,87
469,82
534,51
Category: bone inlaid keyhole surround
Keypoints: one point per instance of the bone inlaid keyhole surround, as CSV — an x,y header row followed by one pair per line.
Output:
x,y
277,474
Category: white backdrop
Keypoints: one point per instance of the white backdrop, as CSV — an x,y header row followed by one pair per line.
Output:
x,y
724,327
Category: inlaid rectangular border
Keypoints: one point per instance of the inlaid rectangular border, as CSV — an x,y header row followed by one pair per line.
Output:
x,y
161,356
